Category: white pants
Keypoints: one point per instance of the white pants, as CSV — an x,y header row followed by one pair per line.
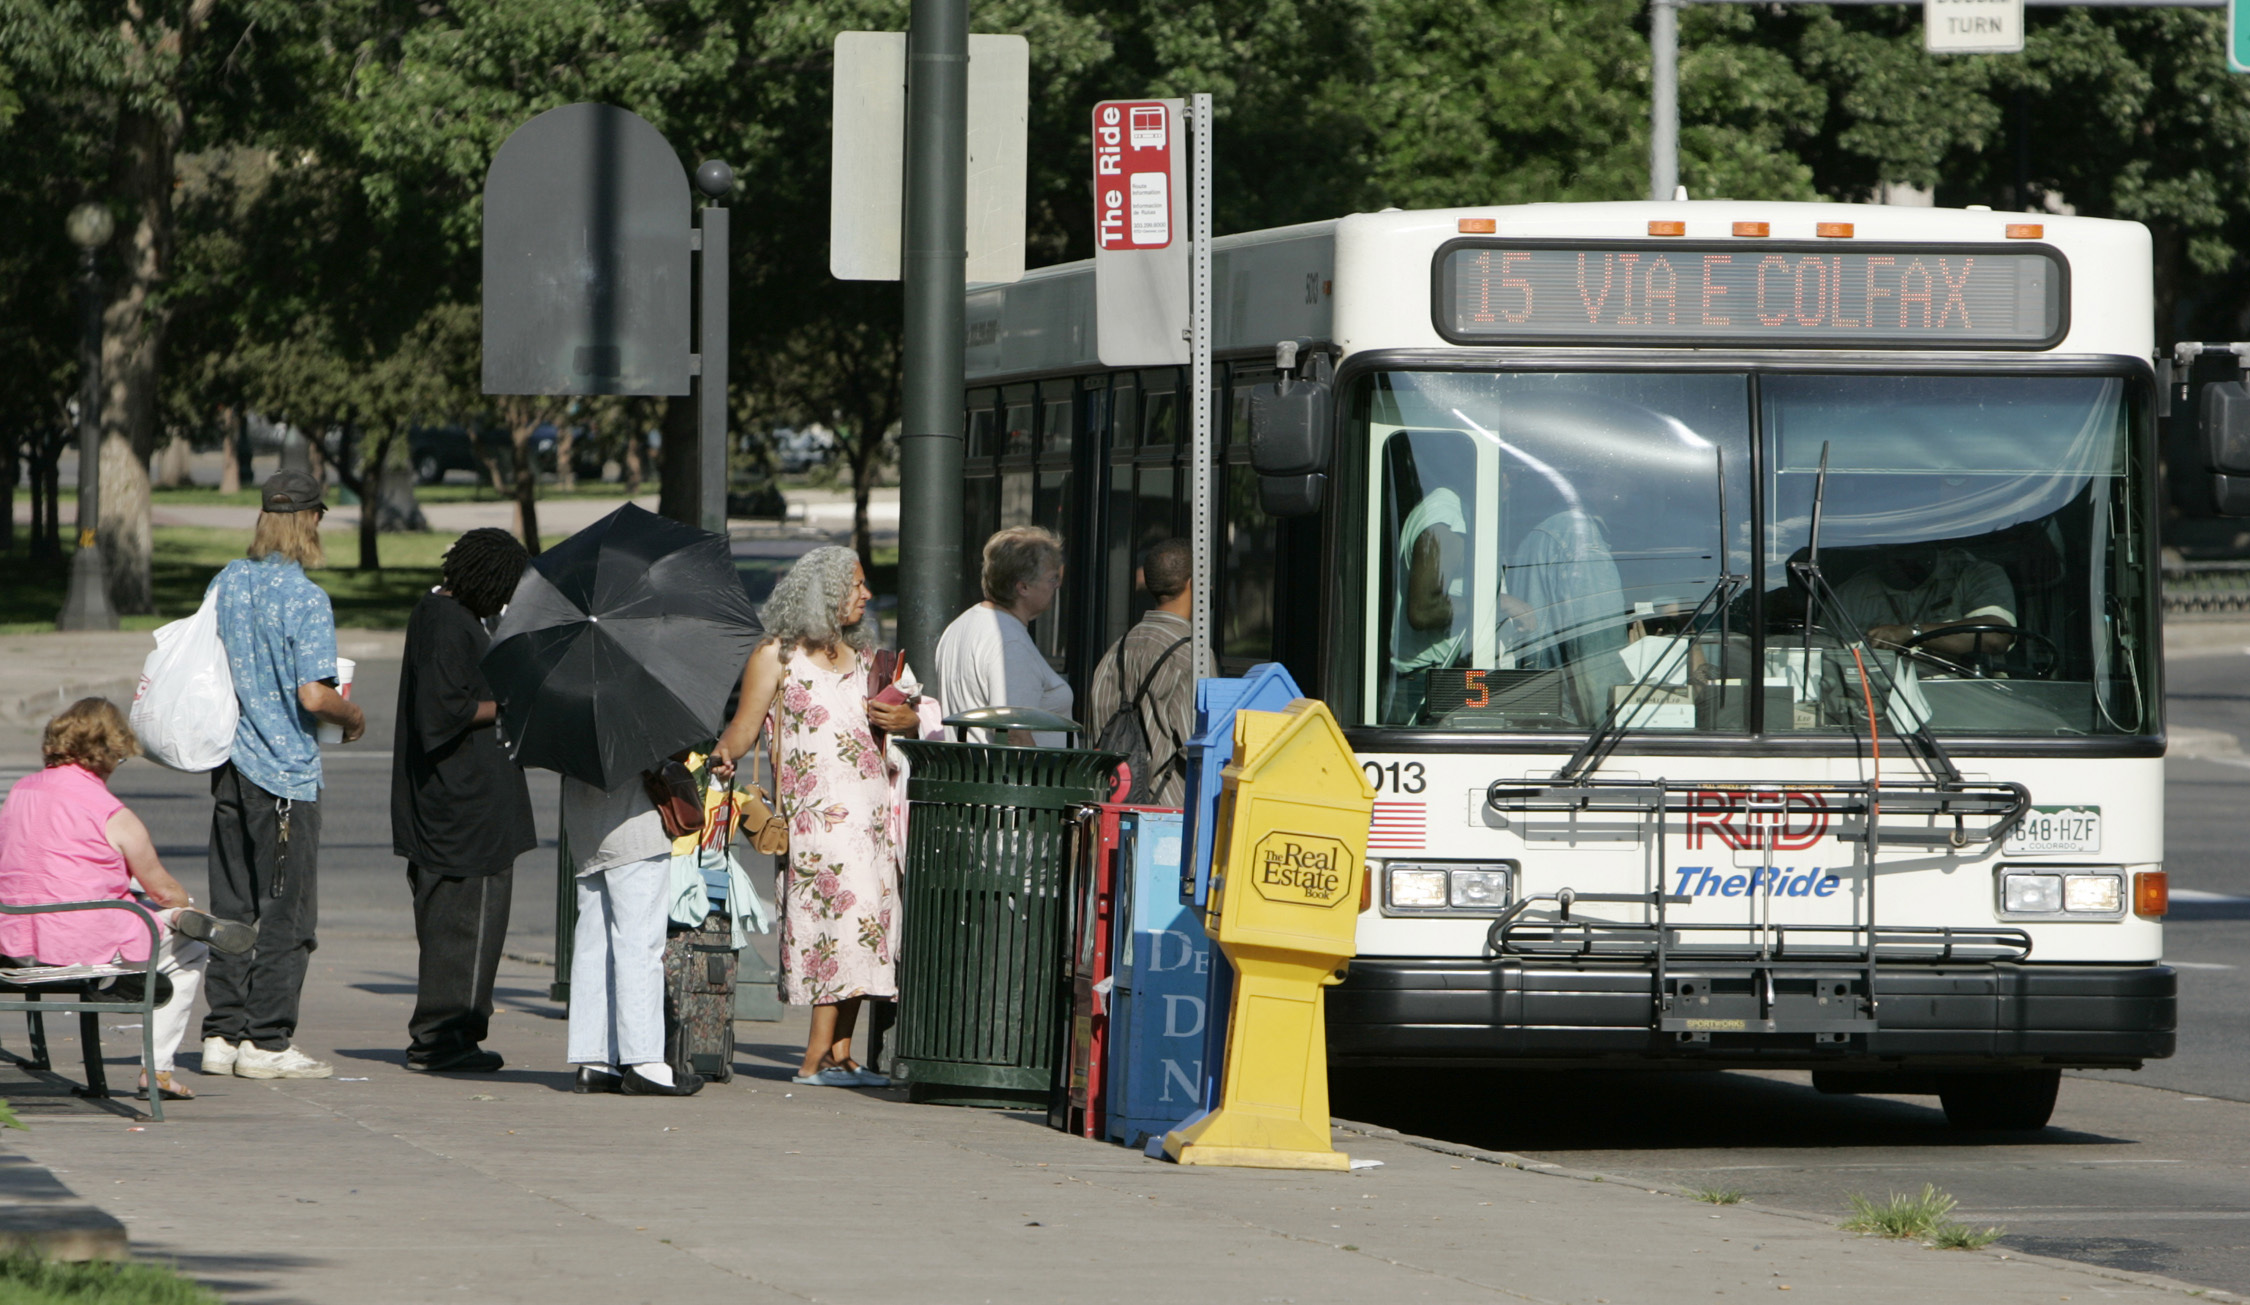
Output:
x,y
183,960
617,964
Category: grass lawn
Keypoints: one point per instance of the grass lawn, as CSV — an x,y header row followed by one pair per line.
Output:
x,y
186,557
29,1280
480,492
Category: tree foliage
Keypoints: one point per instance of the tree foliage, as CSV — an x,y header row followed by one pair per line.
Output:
x,y
297,185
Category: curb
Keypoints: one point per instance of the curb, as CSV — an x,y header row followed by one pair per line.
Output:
x,y
37,707
1543,1168
40,1215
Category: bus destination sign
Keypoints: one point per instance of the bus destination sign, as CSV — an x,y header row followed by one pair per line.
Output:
x,y
1889,297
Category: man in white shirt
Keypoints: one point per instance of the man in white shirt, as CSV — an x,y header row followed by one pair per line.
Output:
x,y
986,657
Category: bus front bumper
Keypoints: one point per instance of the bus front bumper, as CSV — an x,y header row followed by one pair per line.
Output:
x,y
2008,1013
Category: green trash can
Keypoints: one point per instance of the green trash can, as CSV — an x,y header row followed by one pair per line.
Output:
x,y
982,967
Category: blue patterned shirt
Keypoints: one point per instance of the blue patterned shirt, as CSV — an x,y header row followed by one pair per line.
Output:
x,y
280,632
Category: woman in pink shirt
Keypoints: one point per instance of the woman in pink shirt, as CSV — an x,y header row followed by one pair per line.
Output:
x,y
64,837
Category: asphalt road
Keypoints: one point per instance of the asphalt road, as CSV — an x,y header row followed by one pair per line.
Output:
x,y
2147,1171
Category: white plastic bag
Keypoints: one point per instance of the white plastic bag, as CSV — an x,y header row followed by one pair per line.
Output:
x,y
184,710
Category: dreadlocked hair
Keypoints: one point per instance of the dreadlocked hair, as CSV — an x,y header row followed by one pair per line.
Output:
x,y
482,567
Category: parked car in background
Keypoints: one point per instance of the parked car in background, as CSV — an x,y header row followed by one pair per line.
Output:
x,y
434,450
585,451
800,449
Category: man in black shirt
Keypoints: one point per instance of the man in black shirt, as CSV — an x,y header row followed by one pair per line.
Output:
x,y
460,809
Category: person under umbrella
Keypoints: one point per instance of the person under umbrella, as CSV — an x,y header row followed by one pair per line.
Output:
x,y
617,651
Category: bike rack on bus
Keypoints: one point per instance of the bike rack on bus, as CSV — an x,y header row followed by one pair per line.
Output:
x,y
1919,813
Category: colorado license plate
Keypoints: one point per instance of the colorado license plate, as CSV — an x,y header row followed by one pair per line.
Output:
x,y
2057,830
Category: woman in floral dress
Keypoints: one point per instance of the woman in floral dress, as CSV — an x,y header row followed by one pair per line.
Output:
x,y
840,895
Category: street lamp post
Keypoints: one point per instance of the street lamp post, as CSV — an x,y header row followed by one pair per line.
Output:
x,y
86,607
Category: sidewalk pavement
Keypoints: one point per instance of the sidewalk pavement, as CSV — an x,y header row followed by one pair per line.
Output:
x,y
384,1186
42,673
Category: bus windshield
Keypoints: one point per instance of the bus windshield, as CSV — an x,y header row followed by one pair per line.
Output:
x,y
1538,542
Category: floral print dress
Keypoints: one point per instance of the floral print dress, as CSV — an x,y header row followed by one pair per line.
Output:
x,y
840,892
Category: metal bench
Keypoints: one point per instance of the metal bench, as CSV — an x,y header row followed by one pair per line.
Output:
x,y
92,991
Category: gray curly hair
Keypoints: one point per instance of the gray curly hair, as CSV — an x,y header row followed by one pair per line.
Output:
x,y
802,610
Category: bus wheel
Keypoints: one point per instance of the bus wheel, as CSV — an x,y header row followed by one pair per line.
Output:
x,y
2015,1101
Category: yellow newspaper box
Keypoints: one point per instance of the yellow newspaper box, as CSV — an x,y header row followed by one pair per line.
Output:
x,y
1289,859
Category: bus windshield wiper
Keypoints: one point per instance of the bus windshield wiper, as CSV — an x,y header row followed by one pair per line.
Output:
x,y
1717,601
1817,592
1606,736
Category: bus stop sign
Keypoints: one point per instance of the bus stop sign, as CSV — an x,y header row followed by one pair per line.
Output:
x,y
586,277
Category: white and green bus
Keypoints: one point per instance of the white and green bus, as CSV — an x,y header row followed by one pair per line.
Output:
x,y
1746,613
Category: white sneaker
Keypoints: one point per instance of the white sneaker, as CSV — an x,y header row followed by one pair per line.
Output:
x,y
218,1057
253,1061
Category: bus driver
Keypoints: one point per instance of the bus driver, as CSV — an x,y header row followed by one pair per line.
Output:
x,y
1918,591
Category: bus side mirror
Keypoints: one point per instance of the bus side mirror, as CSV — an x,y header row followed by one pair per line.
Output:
x,y
2223,422
1289,440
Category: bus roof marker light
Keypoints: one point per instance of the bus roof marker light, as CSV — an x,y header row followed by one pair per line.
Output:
x,y
1478,226
1753,229
1667,228
2026,231
1833,230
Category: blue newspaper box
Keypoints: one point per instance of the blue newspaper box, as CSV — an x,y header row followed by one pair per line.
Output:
x,y
1161,961
1267,687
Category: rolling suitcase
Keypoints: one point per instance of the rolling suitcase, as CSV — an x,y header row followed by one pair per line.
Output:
x,y
699,973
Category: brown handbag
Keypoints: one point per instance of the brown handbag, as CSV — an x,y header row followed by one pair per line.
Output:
x,y
678,801
761,824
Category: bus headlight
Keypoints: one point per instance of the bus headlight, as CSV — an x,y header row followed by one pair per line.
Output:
x,y
2022,894
1480,890
2104,894
1427,888
2062,891
1417,889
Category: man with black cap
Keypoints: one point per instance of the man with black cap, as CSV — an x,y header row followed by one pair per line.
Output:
x,y
280,636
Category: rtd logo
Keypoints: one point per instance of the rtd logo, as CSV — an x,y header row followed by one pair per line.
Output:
x,y
1751,820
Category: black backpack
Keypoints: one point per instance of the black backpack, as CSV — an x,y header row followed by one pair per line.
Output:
x,y
1126,732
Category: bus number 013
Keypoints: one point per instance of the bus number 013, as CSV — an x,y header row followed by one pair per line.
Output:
x,y
1397,777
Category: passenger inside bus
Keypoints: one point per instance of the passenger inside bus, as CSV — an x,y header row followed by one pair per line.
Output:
x,y
1561,604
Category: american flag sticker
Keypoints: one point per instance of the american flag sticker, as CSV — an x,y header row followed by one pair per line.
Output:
x,y
1398,827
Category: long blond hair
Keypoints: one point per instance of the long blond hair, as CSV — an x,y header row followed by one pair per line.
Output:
x,y
294,535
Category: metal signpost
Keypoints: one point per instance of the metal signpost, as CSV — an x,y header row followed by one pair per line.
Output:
x,y
1199,482
588,287
1664,54
928,147
934,264
588,290
1152,277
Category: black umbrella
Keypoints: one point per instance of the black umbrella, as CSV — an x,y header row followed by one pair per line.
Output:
x,y
620,647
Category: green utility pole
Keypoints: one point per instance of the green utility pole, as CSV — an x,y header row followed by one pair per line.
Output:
x,y
934,266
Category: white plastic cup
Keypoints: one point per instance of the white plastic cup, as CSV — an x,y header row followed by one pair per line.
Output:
x,y
328,733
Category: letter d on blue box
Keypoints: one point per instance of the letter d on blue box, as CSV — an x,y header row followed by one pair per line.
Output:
x,y
1159,1008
